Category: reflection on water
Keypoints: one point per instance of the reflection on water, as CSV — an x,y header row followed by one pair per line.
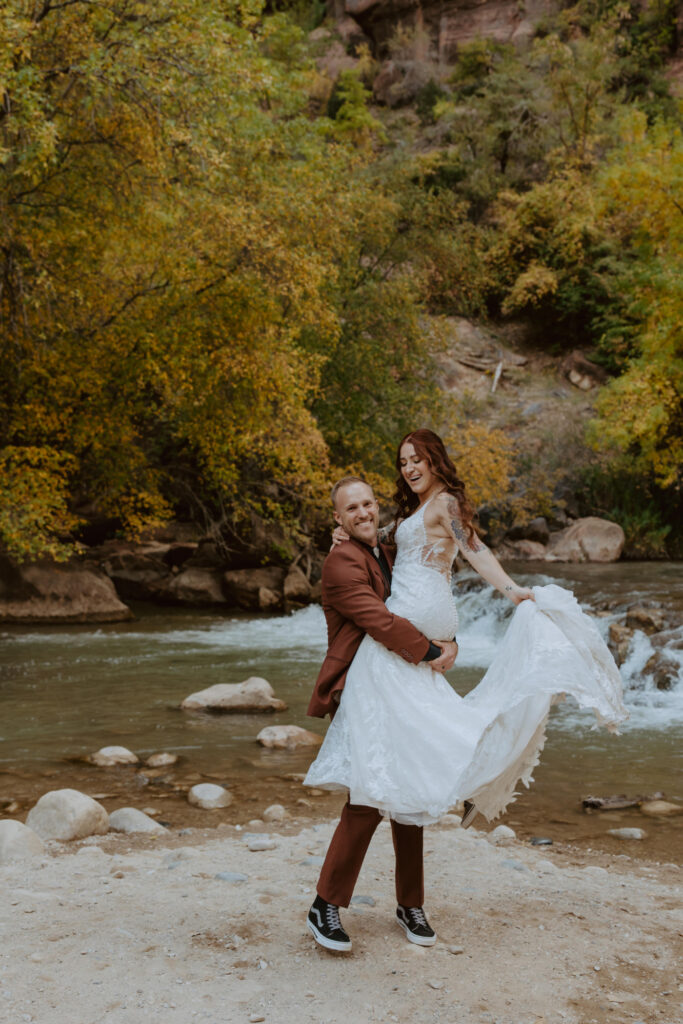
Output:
x,y
69,690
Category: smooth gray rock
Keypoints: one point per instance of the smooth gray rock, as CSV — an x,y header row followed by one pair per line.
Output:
x,y
130,819
275,812
18,842
209,796
627,833
368,900
259,843
67,814
315,862
231,876
107,757
502,835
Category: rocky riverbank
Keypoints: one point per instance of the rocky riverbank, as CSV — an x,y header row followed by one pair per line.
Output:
x,y
209,926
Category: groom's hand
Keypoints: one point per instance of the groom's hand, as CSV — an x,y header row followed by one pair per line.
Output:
x,y
446,660
339,535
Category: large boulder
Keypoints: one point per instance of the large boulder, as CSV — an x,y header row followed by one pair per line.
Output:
x,y
67,814
587,540
254,694
18,842
521,551
137,570
58,592
255,589
296,588
288,737
194,586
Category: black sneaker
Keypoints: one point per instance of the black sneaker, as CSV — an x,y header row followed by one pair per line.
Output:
x,y
469,814
414,924
323,921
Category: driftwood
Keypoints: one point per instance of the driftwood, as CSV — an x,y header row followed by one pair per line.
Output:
x,y
616,803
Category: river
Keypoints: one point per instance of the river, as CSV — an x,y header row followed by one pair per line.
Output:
x,y
68,690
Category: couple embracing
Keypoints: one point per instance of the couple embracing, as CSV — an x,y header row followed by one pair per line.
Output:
x,y
401,741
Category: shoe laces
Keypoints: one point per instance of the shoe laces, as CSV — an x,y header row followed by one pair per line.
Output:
x,y
332,915
418,915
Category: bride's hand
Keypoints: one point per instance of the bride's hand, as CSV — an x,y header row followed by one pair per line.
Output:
x,y
339,535
518,594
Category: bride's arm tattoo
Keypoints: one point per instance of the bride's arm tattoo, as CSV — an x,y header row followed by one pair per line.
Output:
x,y
459,531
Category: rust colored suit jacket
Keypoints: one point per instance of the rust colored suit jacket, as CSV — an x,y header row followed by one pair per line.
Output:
x,y
353,596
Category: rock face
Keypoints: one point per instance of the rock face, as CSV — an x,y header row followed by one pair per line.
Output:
x,y
18,842
130,819
209,796
53,592
446,27
296,588
288,737
255,589
194,586
254,694
106,757
67,814
587,540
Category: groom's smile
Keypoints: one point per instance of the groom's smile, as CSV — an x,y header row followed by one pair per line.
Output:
x,y
356,509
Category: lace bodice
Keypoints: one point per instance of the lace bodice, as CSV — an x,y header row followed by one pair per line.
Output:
x,y
421,580
415,544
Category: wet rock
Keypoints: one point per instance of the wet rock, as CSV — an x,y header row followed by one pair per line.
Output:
x,y
627,833
275,812
609,803
254,694
663,669
502,835
67,814
161,760
58,592
107,757
130,819
288,737
540,841
18,842
660,808
209,797
648,618
619,641
587,540
521,551
254,589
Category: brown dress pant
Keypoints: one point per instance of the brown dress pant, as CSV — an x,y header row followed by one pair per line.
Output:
x,y
348,848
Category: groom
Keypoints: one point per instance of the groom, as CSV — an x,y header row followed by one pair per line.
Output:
x,y
356,582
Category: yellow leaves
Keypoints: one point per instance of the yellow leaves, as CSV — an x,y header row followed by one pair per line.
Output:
x,y
483,458
536,284
34,514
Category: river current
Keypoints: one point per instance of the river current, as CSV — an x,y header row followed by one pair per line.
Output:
x,y
68,690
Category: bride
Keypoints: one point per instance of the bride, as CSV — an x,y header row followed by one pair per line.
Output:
x,y
403,741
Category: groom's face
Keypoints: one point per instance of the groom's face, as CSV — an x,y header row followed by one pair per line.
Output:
x,y
357,511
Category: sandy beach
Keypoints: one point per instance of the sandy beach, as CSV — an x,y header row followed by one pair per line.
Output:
x,y
196,926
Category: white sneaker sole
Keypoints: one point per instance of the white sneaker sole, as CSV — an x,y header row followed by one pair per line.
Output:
x,y
419,940
322,940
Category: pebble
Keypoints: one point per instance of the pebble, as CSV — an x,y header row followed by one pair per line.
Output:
x,y
627,833
502,835
456,950
255,1018
130,819
161,760
540,841
258,843
435,984
275,812
231,876
208,796
316,862
369,900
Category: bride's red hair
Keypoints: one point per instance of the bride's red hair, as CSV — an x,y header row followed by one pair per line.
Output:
x,y
429,446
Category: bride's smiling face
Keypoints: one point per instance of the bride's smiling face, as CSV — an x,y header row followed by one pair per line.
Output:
x,y
416,470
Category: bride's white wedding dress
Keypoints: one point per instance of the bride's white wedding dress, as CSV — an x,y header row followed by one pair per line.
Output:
x,y
403,741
